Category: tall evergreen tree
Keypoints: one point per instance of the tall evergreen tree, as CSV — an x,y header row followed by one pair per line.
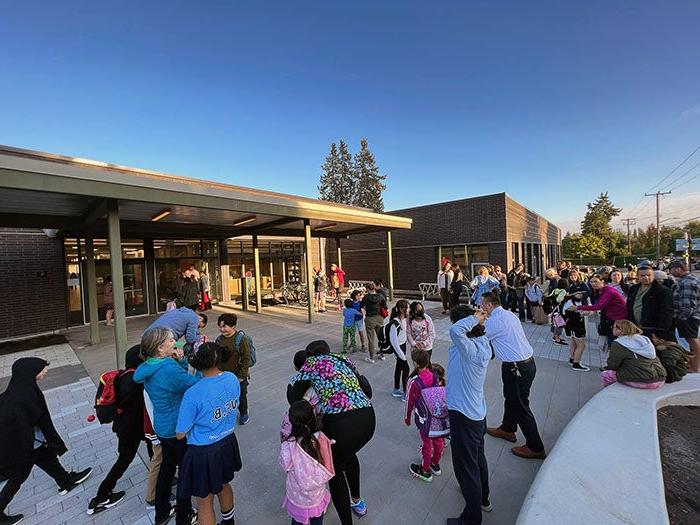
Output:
x,y
597,219
329,185
369,184
346,181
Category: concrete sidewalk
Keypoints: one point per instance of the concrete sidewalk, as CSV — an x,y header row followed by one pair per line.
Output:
x,y
392,495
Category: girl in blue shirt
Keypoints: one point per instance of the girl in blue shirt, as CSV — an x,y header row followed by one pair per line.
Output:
x,y
207,418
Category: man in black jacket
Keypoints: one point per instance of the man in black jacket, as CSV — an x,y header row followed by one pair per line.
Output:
x,y
650,305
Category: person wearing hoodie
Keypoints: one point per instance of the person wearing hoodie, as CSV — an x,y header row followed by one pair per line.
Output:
x,y
128,426
165,379
28,436
632,360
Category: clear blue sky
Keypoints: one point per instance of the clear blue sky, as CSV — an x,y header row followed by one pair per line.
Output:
x,y
549,101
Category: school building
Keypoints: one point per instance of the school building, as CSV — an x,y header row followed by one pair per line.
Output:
x,y
492,229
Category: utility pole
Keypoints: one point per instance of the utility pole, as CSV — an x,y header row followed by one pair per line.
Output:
x,y
632,221
658,229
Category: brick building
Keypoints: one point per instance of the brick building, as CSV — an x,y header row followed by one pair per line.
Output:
x,y
488,229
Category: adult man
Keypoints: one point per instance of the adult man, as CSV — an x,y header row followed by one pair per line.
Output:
x,y
444,281
686,308
370,305
182,321
467,361
517,372
650,305
236,358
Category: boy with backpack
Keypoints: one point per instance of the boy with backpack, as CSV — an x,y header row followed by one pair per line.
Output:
x,y
426,400
119,401
238,356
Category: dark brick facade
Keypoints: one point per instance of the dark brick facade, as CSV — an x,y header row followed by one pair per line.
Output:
x,y
492,221
34,278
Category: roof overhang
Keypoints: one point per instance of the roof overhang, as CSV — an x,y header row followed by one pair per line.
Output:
x,y
53,191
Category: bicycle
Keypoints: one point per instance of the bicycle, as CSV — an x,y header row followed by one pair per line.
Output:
x,y
294,292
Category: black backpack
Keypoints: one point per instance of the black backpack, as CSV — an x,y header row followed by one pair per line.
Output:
x,y
385,340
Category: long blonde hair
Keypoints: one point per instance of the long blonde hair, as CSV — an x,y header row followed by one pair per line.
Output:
x,y
627,327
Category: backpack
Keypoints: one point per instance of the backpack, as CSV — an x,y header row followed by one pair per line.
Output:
x,y
107,396
431,413
385,340
240,334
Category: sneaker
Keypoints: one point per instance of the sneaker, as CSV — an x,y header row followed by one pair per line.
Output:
x,y
244,418
166,519
193,515
486,506
397,393
74,479
561,342
418,472
435,469
6,519
112,499
359,507
382,357
150,505
571,361
369,360
580,367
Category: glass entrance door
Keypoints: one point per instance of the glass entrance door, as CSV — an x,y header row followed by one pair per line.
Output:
x,y
134,286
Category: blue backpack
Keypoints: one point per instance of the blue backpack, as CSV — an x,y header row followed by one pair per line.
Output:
x,y
240,334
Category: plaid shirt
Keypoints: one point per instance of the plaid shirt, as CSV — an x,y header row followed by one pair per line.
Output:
x,y
686,297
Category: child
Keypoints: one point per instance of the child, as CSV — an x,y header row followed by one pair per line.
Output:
x,y
350,317
307,459
420,330
576,329
397,338
533,297
557,296
310,395
356,297
207,419
432,447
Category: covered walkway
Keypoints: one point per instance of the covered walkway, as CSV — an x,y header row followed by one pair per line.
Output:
x,y
89,199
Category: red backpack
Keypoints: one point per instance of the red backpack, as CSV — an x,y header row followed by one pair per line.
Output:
x,y
107,396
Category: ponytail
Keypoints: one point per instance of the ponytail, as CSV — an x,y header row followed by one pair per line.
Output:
x,y
304,425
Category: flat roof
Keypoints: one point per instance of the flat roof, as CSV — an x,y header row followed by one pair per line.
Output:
x,y
46,190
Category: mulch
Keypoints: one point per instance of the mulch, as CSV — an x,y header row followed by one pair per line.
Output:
x,y
32,343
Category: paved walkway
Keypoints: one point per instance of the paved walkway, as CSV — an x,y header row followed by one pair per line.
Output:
x,y
392,495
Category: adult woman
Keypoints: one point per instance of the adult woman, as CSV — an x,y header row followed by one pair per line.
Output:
x,y
337,280
190,291
444,281
578,286
609,303
28,437
108,300
632,359
502,282
617,282
165,379
631,278
321,287
348,417
420,331
457,285
483,283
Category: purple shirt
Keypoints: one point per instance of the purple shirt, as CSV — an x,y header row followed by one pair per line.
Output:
x,y
611,302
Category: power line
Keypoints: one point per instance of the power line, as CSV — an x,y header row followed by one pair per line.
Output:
x,y
674,170
658,214
681,176
686,182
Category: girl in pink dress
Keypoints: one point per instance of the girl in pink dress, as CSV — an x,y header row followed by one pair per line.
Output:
x,y
307,459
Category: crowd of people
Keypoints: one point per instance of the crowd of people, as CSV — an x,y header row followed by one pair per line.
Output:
x,y
186,398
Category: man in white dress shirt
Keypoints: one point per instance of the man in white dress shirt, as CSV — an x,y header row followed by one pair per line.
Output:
x,y
518,370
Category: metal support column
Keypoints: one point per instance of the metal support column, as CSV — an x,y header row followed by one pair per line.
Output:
x,y
115,263
256,264
339,252
390,265
92,291
309,269
224,272
151,277
272,271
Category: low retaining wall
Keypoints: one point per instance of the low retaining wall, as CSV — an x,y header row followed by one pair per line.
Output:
x,y
606,466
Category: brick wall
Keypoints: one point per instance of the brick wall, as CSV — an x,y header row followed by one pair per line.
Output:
x,y
34,278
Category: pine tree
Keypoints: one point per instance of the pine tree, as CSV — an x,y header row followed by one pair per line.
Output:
x,y
597,219
369,184
329,184
346,182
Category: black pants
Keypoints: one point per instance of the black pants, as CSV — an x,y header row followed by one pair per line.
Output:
x,y
455,294
45,458
351,430
469,462
528,308
401,370
243,399
517,413
445,296
127,448
173,452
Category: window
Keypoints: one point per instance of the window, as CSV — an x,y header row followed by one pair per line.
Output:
x,y
175,249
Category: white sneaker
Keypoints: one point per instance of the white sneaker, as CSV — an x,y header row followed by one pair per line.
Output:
x,y
369,360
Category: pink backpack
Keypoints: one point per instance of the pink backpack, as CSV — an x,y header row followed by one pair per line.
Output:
x,y
431,415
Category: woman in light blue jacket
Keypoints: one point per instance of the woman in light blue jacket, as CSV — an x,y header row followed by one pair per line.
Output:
x,y
483,283
165,379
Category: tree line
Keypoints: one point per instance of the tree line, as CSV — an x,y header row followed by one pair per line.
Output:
x,y
599,240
